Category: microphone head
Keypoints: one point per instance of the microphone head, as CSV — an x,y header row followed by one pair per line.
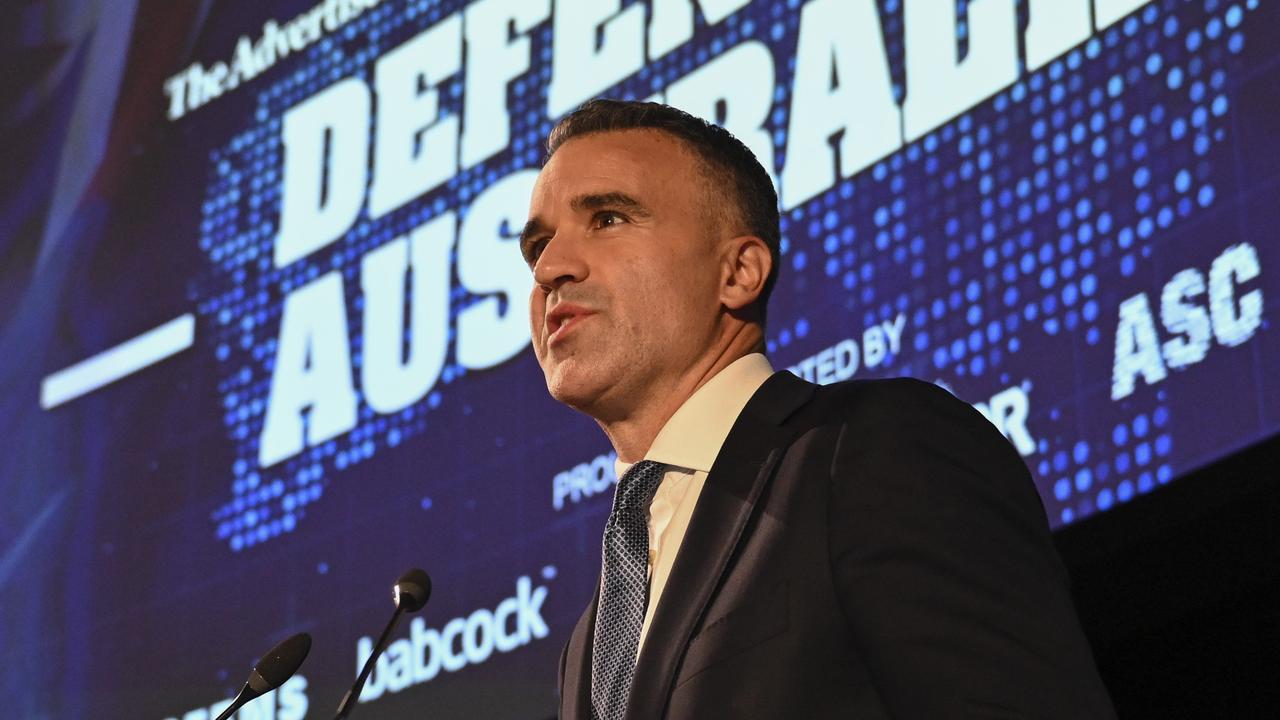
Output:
x,y
412,590
279,664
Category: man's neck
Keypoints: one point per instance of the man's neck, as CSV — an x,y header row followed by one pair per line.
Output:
x,y
633,433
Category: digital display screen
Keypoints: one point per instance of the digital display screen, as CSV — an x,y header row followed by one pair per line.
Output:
x,y
266,327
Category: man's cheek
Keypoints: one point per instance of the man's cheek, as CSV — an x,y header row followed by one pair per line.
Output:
x,y
536,305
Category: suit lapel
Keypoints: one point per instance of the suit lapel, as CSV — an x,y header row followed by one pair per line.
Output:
x,y
575,694
740,473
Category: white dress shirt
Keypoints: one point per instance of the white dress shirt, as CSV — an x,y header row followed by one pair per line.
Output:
x,y
688,444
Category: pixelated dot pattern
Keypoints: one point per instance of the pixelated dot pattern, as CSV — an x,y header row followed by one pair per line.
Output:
x,y
994,235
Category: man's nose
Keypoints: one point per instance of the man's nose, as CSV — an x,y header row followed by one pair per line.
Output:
x,y
561,262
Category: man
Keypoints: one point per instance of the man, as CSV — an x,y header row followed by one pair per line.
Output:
x,y
776,549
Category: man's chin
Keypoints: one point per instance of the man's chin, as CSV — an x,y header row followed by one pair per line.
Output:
x,y
572,394
573,385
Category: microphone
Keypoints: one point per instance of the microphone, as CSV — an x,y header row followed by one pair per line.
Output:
x,y
410,593
277,666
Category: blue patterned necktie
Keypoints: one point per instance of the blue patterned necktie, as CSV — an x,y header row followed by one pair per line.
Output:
x,y
624,591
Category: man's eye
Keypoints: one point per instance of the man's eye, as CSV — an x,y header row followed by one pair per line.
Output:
x,y
609,218
535,251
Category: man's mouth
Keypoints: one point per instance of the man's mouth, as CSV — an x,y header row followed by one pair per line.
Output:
x,y
564,318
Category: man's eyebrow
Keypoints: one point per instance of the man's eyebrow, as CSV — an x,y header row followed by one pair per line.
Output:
x,y
598,201
584,203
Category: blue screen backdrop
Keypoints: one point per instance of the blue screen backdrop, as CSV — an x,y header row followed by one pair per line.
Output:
x,y
266,327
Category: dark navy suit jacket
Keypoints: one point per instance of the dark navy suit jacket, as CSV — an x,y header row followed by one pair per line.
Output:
x,y
870,549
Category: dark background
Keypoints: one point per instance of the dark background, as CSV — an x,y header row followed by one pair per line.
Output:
x,y
1180,594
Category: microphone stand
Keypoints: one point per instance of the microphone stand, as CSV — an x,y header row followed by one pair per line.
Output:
x,y
349,700
242,698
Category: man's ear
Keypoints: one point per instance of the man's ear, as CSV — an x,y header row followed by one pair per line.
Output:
x,y
746,263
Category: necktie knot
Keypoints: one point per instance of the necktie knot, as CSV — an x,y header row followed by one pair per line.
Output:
x,y
637,485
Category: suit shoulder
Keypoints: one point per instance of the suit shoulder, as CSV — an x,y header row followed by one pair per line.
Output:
x,y
903,422
894,411
886,400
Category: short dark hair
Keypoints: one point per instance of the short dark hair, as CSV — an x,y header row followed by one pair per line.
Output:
x,y
725,159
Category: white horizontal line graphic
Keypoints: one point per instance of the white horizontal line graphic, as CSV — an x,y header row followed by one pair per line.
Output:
x,y
114,363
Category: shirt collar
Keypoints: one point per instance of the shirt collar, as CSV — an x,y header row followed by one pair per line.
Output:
x,y
692,437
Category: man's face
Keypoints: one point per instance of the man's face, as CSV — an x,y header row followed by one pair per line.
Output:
x,y
626,274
